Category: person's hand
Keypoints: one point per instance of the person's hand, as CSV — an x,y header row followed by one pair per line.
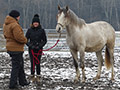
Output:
x,y
40,45
37,47
32,47
31,44
28,43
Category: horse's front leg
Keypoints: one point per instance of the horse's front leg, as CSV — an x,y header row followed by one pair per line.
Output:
x,y
82,54
75,58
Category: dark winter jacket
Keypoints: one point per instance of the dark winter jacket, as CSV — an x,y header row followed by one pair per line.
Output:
x,y
36,37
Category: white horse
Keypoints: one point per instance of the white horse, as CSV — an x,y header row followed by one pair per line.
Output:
x,y
83,37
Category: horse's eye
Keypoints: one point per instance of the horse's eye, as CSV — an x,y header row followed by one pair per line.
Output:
x,y
58,15
59,12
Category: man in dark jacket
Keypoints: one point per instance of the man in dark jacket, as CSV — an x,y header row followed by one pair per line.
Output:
x,y
15,41
36,40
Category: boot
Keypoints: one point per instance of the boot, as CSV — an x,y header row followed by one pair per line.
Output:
x,y
32,78
38,78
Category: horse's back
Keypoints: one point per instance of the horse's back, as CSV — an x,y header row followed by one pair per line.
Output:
x,y
98,35
102,27
108,31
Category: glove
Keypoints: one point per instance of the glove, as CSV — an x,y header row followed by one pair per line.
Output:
x,y
29,44
40,45
32,47
37,47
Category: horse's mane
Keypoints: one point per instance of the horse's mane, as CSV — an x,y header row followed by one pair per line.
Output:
x,y
75,19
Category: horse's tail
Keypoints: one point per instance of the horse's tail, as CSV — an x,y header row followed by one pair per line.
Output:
x,y
107,59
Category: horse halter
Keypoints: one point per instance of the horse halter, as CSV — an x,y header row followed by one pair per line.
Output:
x,y
60,25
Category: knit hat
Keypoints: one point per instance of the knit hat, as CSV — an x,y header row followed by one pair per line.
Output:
x,y
14,13
36,19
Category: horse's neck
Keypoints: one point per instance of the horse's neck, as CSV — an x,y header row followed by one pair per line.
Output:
x,y
70,30
75,23
73,18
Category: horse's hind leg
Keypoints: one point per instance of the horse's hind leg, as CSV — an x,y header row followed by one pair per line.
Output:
x,y
100,63
111,52
75,58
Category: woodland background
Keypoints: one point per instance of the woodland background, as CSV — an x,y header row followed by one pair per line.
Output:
x,y
89,10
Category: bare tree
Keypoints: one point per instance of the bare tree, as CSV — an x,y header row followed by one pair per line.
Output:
x,y
90,10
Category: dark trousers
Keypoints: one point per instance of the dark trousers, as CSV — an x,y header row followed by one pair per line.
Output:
x,y
37,69
17,72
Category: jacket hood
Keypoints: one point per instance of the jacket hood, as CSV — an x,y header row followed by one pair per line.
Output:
x,y
9,20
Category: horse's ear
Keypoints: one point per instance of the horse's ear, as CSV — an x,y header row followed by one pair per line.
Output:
x,y
59,7
67,8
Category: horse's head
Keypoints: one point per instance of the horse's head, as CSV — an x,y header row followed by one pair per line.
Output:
x,y
62,18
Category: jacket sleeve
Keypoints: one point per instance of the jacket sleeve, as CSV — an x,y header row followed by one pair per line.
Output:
x,y
28,37
28,34
19,34
44,39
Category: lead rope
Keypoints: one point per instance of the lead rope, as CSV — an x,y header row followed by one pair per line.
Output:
x,y
40,52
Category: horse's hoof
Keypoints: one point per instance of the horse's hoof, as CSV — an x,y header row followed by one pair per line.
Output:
x,y
94,79
112,79
76,80
97,77
83,81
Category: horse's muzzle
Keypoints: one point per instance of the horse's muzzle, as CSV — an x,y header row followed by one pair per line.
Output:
x,y
59,30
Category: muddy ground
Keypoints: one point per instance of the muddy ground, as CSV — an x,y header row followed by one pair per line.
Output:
x,y
57,73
